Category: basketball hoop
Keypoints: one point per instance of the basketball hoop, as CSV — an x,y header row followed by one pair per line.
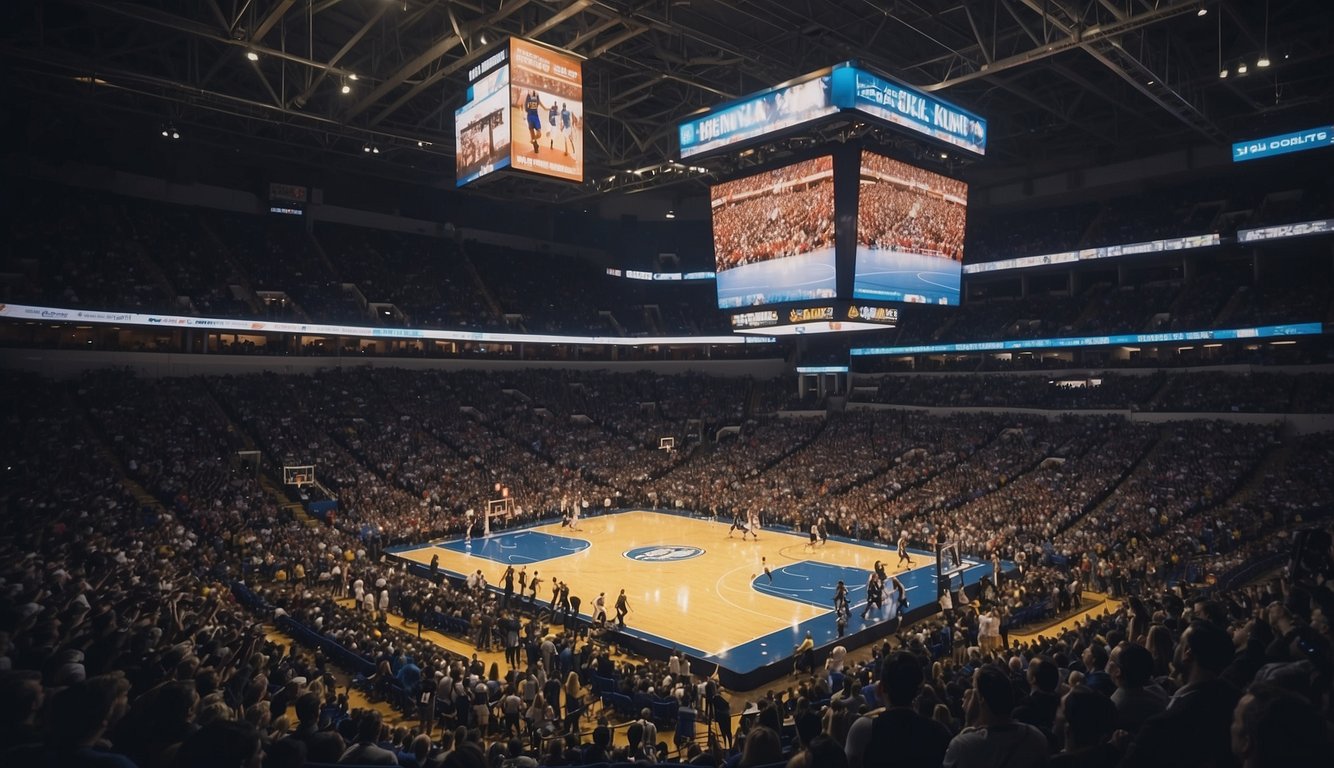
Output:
x,y
667,444
299,475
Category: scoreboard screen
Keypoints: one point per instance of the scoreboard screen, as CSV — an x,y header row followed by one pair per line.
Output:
x,y
910,228
773,235
524,110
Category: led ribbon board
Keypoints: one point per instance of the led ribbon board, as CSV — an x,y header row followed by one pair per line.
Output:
x,y
843,87
1262,332
1297,141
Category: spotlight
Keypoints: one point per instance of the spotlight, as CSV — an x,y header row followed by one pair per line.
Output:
x,y
352,77
1150,82
1222,73
483,38
165,133
365,147
420,143
1242,69
671,214
1263,62
1202,12
346,89
375,150
252,55
175,134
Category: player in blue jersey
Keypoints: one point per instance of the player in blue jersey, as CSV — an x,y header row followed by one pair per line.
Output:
x,y
531,105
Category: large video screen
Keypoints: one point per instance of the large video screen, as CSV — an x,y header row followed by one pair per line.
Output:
x,y
773,235
910,227
547,104
482,128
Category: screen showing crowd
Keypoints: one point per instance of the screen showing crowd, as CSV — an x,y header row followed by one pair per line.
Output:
x,y
910,233
773,235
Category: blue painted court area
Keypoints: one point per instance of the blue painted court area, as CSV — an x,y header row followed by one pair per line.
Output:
x,y
803,277
518,547
813,583
893,276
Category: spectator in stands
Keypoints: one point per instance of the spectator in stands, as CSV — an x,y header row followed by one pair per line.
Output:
x,y
897,736
1202,707
989,729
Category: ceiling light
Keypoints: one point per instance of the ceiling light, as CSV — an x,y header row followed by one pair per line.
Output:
x,y
671,214
1202,12
352,76
483,38
375,150
365,147
1151,82
165,133
252,55
944,155
1222,73
1263,62
1241,68
346,88
175,134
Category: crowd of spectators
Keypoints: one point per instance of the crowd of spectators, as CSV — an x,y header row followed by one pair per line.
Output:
x,y
140,555
772,215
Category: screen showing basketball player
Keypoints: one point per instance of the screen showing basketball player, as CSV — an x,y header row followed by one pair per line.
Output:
x,y
546,111
910,228
773,235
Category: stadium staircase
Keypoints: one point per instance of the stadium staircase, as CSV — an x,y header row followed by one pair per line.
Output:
x,y
1159,394
491,302
1100,500
241,290
1273,464
1092,304
1239,298
109,458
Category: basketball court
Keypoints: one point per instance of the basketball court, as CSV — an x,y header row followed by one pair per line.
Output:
x,y
803,277
888,275
691,587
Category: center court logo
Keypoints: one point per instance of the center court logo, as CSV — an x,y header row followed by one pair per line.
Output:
x,y
668,553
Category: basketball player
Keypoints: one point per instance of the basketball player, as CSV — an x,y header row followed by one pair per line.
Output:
x,y
622,608
874,594
903,549
532,588
752,525
737,525
600,609
840,597
555,594
815,536
574,517
567,130
823,527
531,105
764,566
553,115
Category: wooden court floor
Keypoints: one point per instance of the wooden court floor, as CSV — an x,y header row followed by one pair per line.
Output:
x,y
707,603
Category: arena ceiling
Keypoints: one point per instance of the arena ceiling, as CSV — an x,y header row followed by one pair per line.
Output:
x,y
1064,83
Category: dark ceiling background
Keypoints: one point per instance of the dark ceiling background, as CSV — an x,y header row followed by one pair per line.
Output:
x,y
1064,84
